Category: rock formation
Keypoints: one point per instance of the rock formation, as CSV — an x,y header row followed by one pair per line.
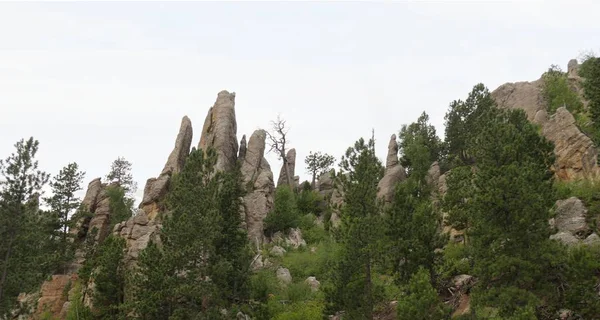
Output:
x,y
575,152
137,232
394,172
291,162
570,222
258,179
141,228
576,155
521,95
156,188
220,130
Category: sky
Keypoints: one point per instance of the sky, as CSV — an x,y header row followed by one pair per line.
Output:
x,y
93,81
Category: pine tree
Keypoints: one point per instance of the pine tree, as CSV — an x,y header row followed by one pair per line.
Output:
x,y
109,279
420,133
120,173
230,268
422,301
63,202
510,212
462,123
284,214
318,163
413,224
202,259
23,258
353,289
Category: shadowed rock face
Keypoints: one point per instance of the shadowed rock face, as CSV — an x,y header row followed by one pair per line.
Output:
x,y
156,188
219,131
394,172
291,160
258,179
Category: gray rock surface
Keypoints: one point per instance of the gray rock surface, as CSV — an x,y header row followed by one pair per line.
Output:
x,y
394,172
284,276
570,216
313,283
156,188
258,179
277,251
291,161
220,130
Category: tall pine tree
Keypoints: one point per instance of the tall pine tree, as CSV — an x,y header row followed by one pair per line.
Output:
x,y
510,211
353,288
202,260
63,203
23,250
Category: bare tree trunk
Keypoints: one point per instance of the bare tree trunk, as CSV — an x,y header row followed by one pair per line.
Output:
x,y
314,181
5,267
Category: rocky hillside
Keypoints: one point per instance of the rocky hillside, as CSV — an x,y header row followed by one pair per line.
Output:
x,y
295,253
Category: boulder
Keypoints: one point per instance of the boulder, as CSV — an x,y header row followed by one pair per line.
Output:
x,y
258,179
291,162
592,240
394,172
295,239
220,130
277,251
313,283
565,238
570,216
284,276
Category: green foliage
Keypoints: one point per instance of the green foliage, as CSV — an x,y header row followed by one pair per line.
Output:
x,y
109,279
311,232
302,311
303,264
460,187
412,223
284,214
318,163
77,310
412,231
455,261
308,201
120,174
557,93
583,267
419,134
352,288
463,122
121,206
62,204
27,253
510,212
421,300
590,70
201,240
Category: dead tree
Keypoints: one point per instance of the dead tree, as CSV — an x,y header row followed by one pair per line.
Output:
x,y
278,143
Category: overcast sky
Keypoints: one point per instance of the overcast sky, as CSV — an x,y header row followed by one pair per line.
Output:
x,y
94,81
